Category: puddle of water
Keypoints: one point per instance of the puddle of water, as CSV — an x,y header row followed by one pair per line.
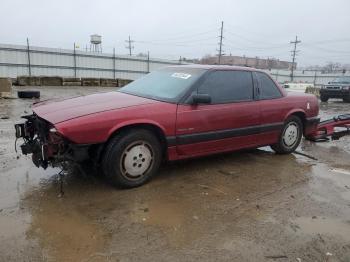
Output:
x,y
341,171
66,228
13,227
327,226
338,178
164,214
176,218
66,234
346,195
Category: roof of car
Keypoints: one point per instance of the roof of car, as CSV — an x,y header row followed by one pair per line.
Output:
x,y
213,67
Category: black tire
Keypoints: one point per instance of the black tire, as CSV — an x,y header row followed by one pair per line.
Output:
x,y
121,151
324,98
28,94
282,146
346,99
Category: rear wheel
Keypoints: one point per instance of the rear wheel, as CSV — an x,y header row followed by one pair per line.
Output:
x,y
290,137
132,158
346,99
324,98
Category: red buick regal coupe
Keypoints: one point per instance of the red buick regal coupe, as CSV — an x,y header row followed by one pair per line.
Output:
x,y
174,113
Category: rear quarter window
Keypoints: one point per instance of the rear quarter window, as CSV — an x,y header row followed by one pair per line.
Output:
x,y
268,88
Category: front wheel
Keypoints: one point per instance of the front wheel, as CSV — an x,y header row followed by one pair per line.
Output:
x,y
324,98
290,137
132,158
346,99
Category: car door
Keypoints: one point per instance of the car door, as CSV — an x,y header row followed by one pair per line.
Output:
x,y
230,121
273,108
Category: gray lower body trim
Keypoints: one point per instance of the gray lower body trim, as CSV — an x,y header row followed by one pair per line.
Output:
x,y
222,134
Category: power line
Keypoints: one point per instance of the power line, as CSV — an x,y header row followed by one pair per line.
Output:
x,y
176,42
330,41
326,49
187,36
220,43
262,48
129,46
294,52
245,38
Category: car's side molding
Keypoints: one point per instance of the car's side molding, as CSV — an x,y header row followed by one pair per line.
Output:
x,y
222,134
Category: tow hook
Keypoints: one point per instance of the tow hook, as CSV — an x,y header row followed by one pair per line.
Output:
x,y
327,128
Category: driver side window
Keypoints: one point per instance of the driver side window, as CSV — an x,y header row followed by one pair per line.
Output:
x,y
228,86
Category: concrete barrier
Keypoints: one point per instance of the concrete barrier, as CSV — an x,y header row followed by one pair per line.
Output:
x,y
71,81
123,82
90,82
51,81
28,81
108,82
5,87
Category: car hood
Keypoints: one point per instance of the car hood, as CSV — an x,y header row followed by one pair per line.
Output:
x,y
56,111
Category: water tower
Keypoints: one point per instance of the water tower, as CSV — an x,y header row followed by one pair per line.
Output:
x,y
95,43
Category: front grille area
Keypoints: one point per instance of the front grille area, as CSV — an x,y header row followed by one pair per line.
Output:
x,y
333,87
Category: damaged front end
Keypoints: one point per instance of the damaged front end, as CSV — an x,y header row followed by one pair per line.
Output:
x,y
41,139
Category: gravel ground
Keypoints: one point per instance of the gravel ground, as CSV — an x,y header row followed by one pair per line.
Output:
x,y
244,206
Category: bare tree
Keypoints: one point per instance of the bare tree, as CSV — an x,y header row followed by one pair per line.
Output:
x,y
331,67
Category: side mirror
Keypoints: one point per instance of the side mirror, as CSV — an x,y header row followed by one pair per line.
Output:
x,y
201,99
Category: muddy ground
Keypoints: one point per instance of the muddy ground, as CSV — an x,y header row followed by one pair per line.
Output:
x,y
245,206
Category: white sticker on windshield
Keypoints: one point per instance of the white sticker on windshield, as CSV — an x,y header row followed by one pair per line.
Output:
x,y
181,75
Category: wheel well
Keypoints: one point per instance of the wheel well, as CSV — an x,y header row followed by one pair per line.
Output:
x,y
302,117
153,128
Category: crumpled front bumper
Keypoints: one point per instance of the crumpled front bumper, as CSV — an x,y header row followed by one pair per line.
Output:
x,y
37,140
46,145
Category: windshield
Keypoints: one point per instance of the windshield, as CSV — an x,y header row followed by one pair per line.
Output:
x,y
168,84
341,80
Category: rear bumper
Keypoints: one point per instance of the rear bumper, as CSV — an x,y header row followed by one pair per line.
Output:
x,y
311,125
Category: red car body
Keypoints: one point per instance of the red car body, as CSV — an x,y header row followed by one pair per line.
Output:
x,y
173,113
188,130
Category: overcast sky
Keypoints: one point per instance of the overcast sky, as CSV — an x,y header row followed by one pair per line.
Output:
x,y
174,28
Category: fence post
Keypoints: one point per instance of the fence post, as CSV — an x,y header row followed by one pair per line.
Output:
x,y
148,62
28,54
113,62
75,62
315,78
277,75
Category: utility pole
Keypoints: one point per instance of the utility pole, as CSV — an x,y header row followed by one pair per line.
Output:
x,y
28,54
75,62
294,53
315,76
220,43
113,62
148,62
129,46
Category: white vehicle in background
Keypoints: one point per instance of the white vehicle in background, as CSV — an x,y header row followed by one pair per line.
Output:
x,y
297,87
